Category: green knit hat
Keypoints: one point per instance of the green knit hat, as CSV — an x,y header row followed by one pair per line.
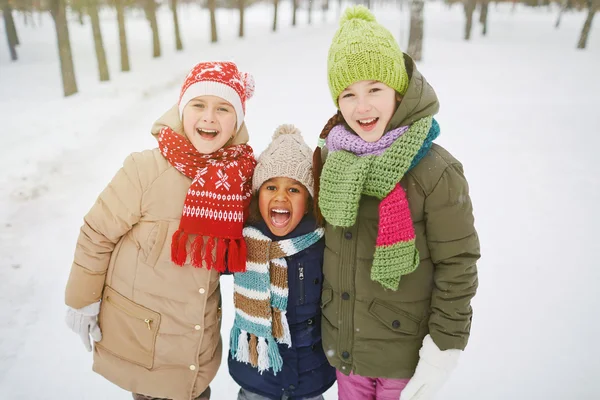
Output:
x,y
361,50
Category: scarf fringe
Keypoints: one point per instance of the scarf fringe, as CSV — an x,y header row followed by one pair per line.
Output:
x,y
231,253
178,244
208,252
274,357
221,251
197,248
242,353
253,350
281,328
287,336
236,256
233,340
276,324
263,355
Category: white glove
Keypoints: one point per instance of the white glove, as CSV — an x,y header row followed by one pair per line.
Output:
x,y
432,371
84,322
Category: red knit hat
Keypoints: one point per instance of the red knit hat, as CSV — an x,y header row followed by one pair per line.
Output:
x,y
221,79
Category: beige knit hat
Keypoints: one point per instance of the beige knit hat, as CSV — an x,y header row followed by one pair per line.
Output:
x,y
286,156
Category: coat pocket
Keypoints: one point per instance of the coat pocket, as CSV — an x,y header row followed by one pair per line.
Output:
x,y
327,308
156,242
129,330
395,319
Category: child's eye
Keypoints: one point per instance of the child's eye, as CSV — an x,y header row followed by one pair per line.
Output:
x,y
224,109
199,105
347,95
294,190
270,187
375,90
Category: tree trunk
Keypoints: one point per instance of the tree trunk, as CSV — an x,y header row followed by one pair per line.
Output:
x,y
92,9
150,9
242,6
469,10
122,35
59,15
325,7
563,6
212,5
178,43
587,25
294,11
415,37
310,8
11,29
8,21
483,16
276,4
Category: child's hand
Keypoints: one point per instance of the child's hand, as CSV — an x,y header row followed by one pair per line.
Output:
x,y
84,322
432,371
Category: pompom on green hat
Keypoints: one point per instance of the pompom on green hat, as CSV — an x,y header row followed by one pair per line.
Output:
x,y
361,50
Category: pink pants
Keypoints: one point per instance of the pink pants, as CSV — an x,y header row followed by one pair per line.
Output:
x,y
356,387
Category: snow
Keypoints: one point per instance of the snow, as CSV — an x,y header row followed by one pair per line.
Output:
x,y
519,109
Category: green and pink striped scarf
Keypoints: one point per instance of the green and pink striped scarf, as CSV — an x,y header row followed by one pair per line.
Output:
x,y
355,168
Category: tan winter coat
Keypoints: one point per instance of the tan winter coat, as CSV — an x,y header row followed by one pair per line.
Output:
x,y
160,323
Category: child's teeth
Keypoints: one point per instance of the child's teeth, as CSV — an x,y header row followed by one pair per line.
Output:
x,y
280,211
366,121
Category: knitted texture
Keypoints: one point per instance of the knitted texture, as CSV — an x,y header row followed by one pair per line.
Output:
x,y
362,49
216,204
286,156
221,79
260,299
359,168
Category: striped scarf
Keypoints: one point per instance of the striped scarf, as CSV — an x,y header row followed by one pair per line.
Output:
x,y
260,299
355,168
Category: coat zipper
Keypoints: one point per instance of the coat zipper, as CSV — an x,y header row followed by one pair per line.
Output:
x,y
148,321
301,279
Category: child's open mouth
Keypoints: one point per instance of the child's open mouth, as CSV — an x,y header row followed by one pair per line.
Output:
x,y
367,124
280,217
208,134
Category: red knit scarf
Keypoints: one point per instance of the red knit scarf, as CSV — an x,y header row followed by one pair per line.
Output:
x,y
216,204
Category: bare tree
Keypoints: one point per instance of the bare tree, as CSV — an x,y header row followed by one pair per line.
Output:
x,y
150,10
310,8
178,42
11,31
120,6
587,25
59,15
415,37
294,11
276,4
12,28
242,5
325,8
26,9
483,16
469,10
92,10
212,6
563,7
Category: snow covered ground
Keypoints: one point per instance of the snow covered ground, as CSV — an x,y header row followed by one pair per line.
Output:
x,y
519,108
